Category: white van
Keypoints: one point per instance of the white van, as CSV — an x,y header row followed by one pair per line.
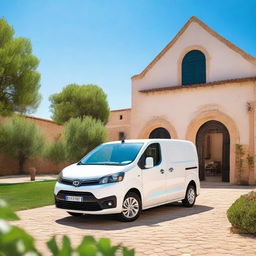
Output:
x,y
125,177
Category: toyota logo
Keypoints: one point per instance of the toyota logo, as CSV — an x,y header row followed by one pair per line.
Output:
x,y
76,183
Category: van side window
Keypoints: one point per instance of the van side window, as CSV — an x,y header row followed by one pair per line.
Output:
x,y
152,150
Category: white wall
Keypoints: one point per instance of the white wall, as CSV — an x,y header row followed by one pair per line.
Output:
x,y
222,62
180,107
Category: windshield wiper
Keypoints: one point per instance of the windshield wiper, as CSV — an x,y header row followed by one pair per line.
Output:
x,y
100,163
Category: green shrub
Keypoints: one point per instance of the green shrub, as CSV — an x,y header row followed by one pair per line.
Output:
x,y
21,139
15,241
56,151
242,213
83,135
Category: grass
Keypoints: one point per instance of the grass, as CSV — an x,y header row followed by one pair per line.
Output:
x,y
28,195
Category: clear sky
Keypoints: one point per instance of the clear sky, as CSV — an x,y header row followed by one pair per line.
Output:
x,y
105,42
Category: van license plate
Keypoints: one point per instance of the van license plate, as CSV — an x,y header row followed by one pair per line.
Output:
x,y
73,198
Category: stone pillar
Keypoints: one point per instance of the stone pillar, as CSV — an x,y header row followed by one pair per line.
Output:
x,y
250,153
252,145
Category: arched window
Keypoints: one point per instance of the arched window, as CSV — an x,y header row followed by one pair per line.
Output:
x,y
193,68
159,133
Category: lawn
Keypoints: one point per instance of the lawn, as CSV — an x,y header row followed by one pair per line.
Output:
x,y
28,195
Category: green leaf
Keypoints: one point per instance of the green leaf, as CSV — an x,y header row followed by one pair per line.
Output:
x,y
87,246
16,241
66,247
87,250
88,239
16,234
127,252
6,212
114,249
104,246
52,245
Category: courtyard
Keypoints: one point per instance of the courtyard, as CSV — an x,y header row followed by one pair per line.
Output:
x,y
166,230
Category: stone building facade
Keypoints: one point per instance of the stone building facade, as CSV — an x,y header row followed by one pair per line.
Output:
x,y
202,88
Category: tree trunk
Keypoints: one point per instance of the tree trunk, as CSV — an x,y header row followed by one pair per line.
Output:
x,y
22,160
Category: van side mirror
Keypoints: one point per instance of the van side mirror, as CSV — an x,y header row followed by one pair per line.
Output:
x,y
149,163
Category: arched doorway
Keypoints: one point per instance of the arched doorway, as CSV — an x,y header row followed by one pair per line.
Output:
x,y
159,133
213,146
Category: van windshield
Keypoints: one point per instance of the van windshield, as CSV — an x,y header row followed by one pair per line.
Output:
x,y
112,154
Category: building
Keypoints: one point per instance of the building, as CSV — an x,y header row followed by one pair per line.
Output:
x,y
202,88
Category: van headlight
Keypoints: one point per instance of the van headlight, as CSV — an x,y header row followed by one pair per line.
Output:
x,y
117,177
60,177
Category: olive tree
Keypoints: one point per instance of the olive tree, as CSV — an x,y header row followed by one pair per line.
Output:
x,y
81,136
20,139
56,151
19,80
79,101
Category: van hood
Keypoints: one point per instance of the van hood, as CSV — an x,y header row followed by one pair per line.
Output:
x,y
75,171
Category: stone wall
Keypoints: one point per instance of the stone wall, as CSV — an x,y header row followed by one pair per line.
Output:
x,y
119,121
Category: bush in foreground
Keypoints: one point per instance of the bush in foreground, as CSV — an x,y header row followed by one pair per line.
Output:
x,y
242,213
15,241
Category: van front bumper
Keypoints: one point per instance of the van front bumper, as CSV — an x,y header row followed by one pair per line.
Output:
x,y
97,199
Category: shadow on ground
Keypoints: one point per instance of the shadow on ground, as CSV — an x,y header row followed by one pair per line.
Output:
x,y
151,217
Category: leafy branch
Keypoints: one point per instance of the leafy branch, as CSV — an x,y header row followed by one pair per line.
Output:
x,y
15,241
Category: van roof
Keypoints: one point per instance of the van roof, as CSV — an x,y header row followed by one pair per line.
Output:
x,y
146,140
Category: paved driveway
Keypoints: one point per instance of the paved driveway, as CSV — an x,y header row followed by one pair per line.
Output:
x,y
166,230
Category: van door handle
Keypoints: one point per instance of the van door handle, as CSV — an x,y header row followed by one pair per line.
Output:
x,y
162,171
171,169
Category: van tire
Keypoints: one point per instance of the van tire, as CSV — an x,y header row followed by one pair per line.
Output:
x,y
131,199
190,198
75,214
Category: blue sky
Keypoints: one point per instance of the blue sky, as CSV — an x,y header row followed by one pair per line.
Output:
x,y
105,42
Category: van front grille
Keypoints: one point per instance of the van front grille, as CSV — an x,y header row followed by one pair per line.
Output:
x,y
90,202
82,182
86,206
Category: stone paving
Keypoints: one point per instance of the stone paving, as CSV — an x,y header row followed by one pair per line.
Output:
x,y
166,230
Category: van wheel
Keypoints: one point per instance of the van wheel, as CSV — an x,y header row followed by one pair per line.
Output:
x,y
131,207
190,198
75,214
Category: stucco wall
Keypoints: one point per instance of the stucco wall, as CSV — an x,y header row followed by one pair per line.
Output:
x,y
180,106
186,109
221,61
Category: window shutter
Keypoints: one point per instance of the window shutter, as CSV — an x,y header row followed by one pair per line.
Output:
x,y
193,68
